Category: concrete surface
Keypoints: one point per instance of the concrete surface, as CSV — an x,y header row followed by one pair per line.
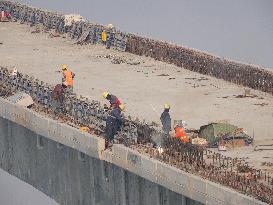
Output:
x,y
51,168
198,102
71,178
52,129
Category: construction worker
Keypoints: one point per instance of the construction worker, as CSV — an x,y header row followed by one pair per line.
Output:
x,y
166,128
68,77
166,119
113,100
114,122
5,16
58,97
104,37
181,134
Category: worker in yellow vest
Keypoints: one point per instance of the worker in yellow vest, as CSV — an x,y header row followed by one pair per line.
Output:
x,y
104,37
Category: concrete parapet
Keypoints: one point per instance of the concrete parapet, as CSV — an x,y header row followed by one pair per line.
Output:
x,y
174,179
120,155
177,180
59,132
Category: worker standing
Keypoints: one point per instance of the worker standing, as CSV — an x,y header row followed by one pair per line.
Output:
x,y
113,100
103,37
68,77
166,119
114,122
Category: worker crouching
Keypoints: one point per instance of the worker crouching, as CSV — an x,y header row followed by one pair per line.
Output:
x,y
180,133
58,98
114,123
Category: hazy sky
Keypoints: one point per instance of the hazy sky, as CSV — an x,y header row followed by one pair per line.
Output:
x,y
15,192
241,29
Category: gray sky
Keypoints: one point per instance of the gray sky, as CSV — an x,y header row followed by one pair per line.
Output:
x,y
241,29
15,192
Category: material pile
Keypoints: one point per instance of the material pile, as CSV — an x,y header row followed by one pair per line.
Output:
x,y
229,134
69,19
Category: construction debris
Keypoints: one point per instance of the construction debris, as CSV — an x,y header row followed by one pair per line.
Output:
x,y
69,19
199,141
21,98
229,134
80,112
263,147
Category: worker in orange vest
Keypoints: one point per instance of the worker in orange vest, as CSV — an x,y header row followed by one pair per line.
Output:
x,y
181,134
68,77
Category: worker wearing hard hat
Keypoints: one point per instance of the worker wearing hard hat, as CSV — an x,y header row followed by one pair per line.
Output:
x,y
68,77
113,100
114,122
104,37
180,133
165,119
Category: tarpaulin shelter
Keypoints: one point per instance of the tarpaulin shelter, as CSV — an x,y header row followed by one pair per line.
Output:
x,y
213,131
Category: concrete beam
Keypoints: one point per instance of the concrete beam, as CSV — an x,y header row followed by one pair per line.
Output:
x,y
179,181
54,130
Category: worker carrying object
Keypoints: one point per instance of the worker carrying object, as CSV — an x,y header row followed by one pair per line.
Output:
x,y
114,122
68,77
113,100
165,119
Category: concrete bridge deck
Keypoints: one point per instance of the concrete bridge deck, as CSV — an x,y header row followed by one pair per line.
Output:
x,y
162,79
140,86
73,167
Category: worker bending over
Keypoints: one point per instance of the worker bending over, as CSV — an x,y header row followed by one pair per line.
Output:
x,y
58,98
68,77
114,122
113,100
180,133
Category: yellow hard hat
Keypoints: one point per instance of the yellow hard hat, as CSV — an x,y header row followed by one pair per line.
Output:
x,y
64,67
122,107
105,94
167,106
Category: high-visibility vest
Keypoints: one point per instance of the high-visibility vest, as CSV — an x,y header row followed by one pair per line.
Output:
x,y
181,134
103,36
68,78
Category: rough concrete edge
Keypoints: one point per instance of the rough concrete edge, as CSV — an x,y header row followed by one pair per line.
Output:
x,y
61,133
196,187
119,156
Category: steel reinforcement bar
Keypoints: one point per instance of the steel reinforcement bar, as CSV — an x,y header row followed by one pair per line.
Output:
x,y
83,31
197,61
234,173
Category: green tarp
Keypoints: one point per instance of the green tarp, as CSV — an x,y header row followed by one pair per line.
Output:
x,y
212,131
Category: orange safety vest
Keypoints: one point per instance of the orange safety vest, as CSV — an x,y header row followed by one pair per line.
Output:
x,y
103,36
68,78
181,134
